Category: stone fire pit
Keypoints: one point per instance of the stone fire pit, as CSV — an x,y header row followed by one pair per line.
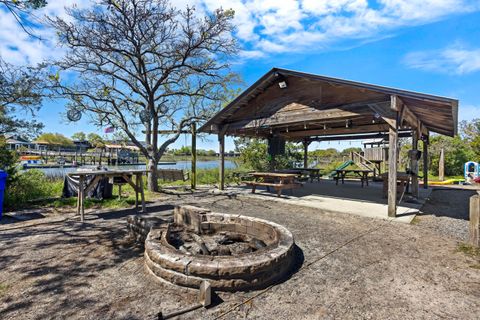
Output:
x,y
232,252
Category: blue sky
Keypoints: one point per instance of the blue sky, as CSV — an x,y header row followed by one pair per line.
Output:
x,y
431,46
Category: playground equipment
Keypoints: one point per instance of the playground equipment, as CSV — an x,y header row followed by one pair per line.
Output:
x,y
471,171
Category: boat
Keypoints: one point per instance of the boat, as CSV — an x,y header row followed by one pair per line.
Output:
x,y
31,161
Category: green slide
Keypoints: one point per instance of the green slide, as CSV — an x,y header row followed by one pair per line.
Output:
x,y
340,167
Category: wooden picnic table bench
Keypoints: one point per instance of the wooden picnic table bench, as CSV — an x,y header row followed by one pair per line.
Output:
x,y
311,173
361,173
276,180
83,188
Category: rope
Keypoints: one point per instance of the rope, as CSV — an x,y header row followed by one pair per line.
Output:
x,y
304,267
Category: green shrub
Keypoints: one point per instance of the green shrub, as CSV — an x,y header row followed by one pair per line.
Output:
x,y
29,186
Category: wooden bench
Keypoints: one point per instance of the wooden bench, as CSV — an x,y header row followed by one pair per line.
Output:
x,y
173,175
277,186
278,181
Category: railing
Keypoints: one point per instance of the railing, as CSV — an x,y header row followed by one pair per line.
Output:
x,y
361,161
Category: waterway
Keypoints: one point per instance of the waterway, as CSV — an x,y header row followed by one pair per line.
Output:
x,y
182,165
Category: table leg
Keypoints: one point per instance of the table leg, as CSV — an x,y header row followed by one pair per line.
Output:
x,y
79,195
81,190
343,177
338,177
279,192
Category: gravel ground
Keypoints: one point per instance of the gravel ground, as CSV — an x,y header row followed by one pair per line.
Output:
x,y
352,268
447,211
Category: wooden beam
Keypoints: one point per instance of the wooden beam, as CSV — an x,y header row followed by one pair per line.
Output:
x,y
414,164
306,114
388,115
401,134
474,222
392,163
441,166
221,140
425,163
379,127
305,153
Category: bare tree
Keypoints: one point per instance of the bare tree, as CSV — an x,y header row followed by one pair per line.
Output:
x,y
21,89
144,65
20,9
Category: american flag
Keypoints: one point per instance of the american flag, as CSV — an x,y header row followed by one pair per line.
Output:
x,y
109,130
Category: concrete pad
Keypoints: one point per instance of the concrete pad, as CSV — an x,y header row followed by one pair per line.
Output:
x,y
349,198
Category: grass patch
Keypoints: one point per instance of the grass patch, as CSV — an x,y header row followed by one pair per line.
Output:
x,y
469,250
416,220
3,289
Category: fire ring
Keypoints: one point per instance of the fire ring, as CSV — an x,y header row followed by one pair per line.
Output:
x,y
232,252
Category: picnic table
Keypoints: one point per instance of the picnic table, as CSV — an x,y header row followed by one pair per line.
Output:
x,y
403,181
84,188
361,173
278,181
313,173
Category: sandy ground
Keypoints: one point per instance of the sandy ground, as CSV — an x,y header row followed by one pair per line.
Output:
x,y
352,268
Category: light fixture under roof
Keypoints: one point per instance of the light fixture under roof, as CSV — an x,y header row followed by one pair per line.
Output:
x,y
282,84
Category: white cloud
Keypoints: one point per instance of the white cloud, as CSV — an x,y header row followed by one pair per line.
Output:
x,y
456,59
273,26
468,112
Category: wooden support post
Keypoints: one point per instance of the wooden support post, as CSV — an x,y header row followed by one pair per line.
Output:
x,y
441,166
305,154
474,224
414,164
425,163
193,177
221,140
137,183
81,197
142,193
392,162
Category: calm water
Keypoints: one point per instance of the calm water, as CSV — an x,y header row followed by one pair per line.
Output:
x,y
183,165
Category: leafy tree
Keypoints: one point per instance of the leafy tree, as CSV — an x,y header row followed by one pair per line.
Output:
x,y
329,153
57,139
79,136
457,152
146,65
183,151
470,131
8,160
96,140
253,153
346,152
20,91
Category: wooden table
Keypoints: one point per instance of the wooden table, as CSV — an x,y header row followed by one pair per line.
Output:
x,y
313,173
362,173
83,188
403,181
278,181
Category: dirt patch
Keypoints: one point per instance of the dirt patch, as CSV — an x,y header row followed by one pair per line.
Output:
x,y
352,268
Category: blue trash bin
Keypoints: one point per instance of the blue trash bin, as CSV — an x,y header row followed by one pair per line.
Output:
x,y
3,182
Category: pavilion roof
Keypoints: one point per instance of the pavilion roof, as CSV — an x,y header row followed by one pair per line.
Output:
x,y
300,106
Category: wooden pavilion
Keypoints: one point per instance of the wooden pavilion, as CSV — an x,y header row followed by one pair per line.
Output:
x,y
286,105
